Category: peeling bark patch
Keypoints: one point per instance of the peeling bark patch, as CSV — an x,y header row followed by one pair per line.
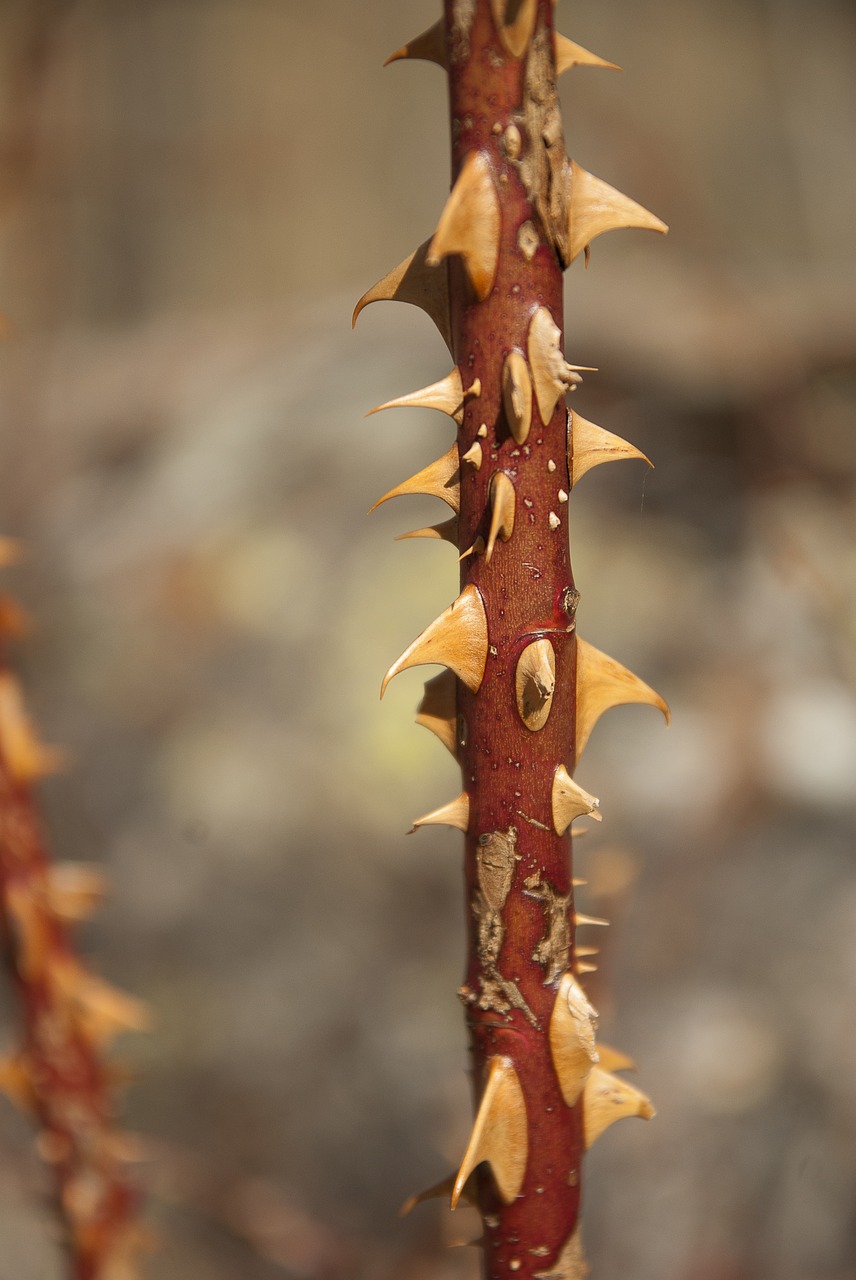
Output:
x,y
554,948
544,164
496,858
463,12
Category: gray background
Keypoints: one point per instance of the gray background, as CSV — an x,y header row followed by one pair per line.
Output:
x,y
193,195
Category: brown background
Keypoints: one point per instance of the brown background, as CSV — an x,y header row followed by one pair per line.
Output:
x,y
193,195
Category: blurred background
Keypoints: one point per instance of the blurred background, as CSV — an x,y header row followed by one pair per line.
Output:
x,y
193,195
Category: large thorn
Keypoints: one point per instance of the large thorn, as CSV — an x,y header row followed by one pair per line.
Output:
x,y
570,801
419,282
590,445
441,479
572,1028
430,46
447,395
446,531
603,683
594,207
517,395
570,1264
469,224
26,757
438,710
570,54
515,22
457,639
454,814
535,683
606,1098
503,502
499,1134
552,375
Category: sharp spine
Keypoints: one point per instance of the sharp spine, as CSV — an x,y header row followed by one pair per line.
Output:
x,y
440,479
517,395
499,1134
603,683
589,446
473,455
569,801
438,710
457,639
418,282
503,502
447,395
430,46
594,207
607,1098
446,531
470,223
570,54
454,814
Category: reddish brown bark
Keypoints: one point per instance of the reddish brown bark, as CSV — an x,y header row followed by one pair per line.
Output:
x,y
508,769
59,1073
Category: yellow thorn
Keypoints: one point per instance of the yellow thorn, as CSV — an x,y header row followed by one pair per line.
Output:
x,y
584,968
570,801
468,1193
430,46
454,814
503,502
590,445
475,550
580,919
595,207
447,395
606,1098
438,710
570,1264
613,1060
570,54
603,683
457,639
470,223
441,479
446,531
517,395
102,1009
499,1134
535,682
552,375
26,758
15,1082
515,22
473,455
74,890
572,1028
419,282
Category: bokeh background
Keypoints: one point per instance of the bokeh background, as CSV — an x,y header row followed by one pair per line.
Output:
x,y
193,193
